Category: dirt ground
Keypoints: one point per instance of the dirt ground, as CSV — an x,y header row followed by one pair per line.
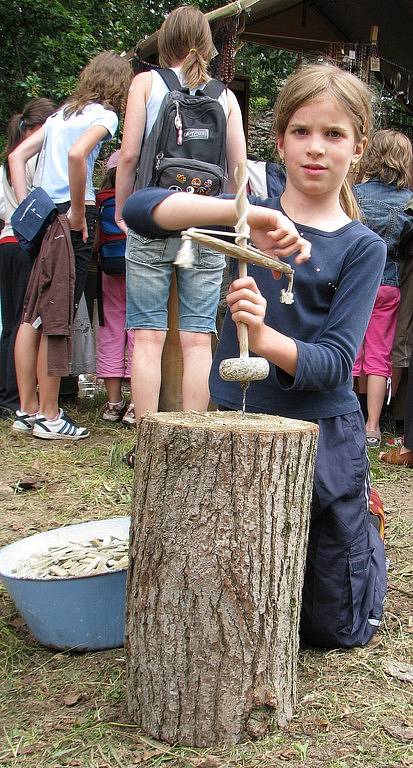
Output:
x,y
66,709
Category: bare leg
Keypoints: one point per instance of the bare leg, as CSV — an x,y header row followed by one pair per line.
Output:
x,y
197,358
113,387
376,392
25,355
48,385
146,370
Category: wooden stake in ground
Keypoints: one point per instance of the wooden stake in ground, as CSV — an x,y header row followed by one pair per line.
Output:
x,y
217,551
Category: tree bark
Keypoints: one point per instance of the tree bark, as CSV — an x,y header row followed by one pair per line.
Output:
x,y
217,553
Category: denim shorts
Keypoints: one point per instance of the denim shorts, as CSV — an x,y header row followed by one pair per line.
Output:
x,y
149,269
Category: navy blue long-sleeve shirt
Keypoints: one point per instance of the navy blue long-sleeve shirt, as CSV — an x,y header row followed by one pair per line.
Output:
x,y
334,293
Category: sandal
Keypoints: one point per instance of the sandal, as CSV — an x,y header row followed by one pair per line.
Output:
x,y
397,458
377,512
129,458
129,417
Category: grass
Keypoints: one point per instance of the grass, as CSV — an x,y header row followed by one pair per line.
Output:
x,y
66,709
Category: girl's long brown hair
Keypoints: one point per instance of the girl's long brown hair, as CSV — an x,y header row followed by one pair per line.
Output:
x,y
185,36
104,80
314,80
33,115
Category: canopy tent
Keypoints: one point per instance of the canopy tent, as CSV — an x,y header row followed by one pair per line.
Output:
x,y
379,31
374,34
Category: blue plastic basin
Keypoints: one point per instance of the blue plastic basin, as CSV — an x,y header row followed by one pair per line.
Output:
x,y
83,613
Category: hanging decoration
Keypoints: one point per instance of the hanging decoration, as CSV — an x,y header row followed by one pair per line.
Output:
x,y
224,33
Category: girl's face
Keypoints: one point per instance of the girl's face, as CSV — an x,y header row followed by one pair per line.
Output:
x,y
319,146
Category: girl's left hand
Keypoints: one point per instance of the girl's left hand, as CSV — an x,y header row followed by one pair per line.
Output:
x,y
247,305
77,222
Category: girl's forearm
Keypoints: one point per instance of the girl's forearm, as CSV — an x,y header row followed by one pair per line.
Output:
x,y
277,348
180,211
125,178
77,183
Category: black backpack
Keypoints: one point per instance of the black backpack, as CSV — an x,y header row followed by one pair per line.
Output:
x,y
186,148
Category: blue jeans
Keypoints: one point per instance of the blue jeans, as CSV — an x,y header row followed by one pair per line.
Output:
x,y
149,268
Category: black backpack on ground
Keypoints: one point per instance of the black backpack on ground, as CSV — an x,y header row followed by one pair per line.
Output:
x,y
186,148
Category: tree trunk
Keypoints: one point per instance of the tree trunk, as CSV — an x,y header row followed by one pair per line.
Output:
x,y
217,553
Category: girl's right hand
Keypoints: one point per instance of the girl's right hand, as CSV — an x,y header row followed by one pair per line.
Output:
x,y
276,235
77,222
122,225
247,305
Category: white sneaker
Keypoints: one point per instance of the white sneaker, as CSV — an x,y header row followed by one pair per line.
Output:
x,y
24,422
62,428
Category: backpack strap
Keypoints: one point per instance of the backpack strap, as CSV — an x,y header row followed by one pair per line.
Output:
x,y
170,79
214,88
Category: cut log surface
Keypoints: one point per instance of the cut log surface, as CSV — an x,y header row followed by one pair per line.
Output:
x,y
217,552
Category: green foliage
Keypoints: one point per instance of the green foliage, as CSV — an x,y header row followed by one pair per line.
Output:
x,y
267,69
45,43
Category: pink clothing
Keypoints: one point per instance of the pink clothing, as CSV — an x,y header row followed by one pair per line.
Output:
x,y
374,355
112,339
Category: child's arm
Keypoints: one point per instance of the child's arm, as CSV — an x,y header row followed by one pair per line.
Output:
x,y
271,231
133,132
236,150
247,305
77,165
327,362
18,159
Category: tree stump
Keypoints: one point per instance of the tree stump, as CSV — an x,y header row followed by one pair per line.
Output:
x,y
217,553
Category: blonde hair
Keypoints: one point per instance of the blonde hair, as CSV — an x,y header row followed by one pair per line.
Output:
x,y
104,80
389,158
185,36
314,80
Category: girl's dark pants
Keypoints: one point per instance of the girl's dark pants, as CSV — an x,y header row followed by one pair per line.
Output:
x,y
345,580
15,268
83,251
408,413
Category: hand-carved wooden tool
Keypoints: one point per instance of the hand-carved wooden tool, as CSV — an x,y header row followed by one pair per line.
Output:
x,y
244,368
